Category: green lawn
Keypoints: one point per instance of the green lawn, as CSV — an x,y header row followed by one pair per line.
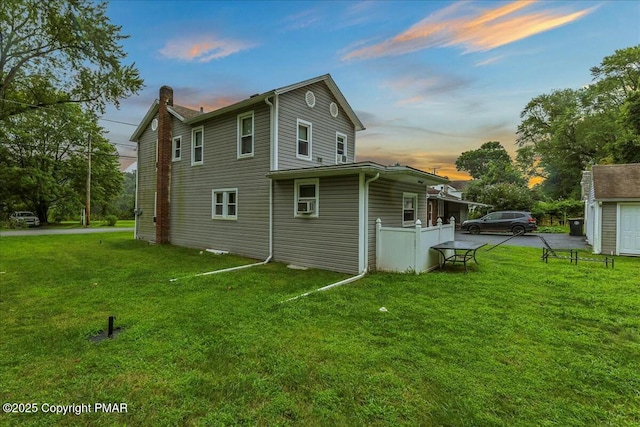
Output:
x,y
515,342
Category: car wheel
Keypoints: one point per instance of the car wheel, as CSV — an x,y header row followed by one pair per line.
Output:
x,y
474,229
518,229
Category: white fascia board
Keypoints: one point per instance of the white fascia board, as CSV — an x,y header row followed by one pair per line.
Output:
x,y
175,114
151,113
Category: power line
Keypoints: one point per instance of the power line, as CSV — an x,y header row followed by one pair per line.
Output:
x,y
116,121
52,109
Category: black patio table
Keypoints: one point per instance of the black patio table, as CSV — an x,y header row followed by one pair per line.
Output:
x,y
462,252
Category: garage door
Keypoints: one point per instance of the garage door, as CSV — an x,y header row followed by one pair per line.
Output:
x,y
630,229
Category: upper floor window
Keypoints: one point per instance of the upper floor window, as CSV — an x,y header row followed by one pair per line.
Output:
x,y
197,146
245,135
341,148
176,148
225,203
303,146
409,208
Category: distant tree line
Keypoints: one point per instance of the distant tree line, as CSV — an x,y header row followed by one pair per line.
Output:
x,y
61,63
562,134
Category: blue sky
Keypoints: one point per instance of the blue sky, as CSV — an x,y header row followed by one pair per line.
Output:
x,y
429,80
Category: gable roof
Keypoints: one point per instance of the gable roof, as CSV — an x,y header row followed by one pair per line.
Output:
x,y
326,78
179,112
191,117
616,182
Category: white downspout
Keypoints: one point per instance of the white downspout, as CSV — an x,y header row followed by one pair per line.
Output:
x,y
365,223
333,285
225,270
274,160
136,214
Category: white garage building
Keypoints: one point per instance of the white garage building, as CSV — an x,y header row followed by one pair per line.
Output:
x,y
612,208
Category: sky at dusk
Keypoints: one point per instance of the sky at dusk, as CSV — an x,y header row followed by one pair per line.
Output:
x,y
429,80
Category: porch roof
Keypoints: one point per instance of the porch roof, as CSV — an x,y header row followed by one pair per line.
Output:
x,y
395,173
456,200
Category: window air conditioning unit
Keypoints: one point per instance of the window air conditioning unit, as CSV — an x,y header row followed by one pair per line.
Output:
x,y
342,159
306,206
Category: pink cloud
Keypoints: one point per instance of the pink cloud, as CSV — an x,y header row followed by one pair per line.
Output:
x,y
202,49
472,29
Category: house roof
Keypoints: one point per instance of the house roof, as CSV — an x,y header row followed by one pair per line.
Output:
x,y
326,78
460,184
616,182
178,111
396,173
191,117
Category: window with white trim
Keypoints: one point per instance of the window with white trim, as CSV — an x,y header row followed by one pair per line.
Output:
x,y
224,203
306,197
304,140
197,146
245,135
176,148
341,148
409,209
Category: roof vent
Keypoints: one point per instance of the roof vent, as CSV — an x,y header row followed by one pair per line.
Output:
x,y
254,95
310,98
333,109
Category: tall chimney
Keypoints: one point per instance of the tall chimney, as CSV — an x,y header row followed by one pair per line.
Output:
x,y
163,177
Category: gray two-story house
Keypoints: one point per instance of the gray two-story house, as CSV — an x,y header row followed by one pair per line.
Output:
x,y
271,177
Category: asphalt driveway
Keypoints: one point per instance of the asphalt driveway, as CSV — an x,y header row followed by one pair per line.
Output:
x,y
555,240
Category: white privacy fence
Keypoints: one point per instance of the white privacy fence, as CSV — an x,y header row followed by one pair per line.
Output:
x,y
407,249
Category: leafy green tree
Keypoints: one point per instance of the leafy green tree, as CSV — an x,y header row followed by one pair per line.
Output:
x,y
505,196
61,51
568,130
476,162
43,158
498,181
125,203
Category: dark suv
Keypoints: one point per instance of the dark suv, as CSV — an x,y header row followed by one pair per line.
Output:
x,y
515,222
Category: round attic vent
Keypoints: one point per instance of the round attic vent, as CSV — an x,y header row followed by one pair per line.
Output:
x,y
333,109
154,124
310,98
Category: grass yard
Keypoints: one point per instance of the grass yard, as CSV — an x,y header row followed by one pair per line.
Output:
x,y
515,342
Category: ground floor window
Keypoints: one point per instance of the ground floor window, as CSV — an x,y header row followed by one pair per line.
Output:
x,y
409,208
224,203
306,197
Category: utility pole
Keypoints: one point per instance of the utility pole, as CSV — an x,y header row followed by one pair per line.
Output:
x,y
88,208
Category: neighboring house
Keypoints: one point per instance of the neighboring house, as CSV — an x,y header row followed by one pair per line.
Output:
x,y
612,208
271,177
445,201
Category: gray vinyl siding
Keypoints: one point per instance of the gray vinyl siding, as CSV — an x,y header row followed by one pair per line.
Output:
x,y
328,242
609,227
191,187
385,202
145,227
291,107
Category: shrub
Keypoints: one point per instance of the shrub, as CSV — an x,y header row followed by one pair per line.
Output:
x,y
111,220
